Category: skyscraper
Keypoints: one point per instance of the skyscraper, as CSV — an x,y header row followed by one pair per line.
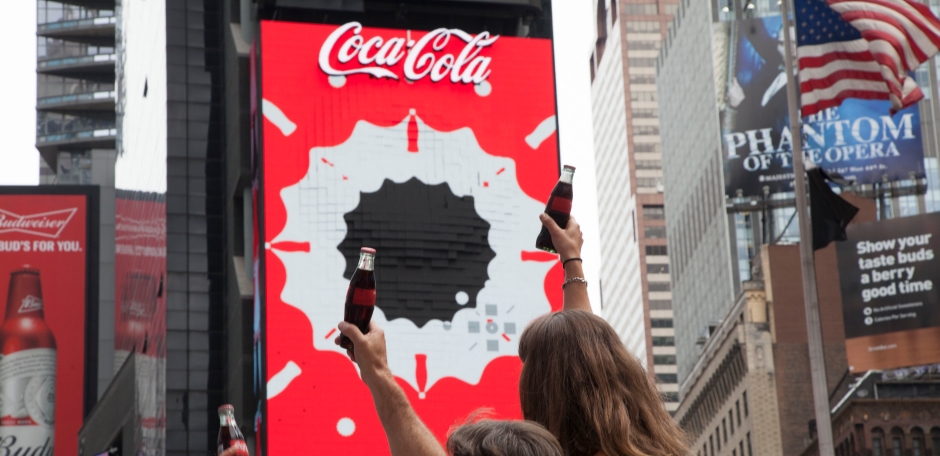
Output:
x,y
635,270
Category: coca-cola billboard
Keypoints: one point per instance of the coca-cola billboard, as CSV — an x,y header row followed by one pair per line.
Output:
x,y
438,149
48,278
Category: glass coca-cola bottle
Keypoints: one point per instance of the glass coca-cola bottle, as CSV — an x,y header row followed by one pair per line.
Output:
x,y
27,368
558,208
360,297
229,434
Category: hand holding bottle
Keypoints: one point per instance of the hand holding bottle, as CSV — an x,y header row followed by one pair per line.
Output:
x,y
368,350
567,241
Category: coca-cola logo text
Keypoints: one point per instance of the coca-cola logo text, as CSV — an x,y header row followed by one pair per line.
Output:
x,y
46,224
422,58
30,304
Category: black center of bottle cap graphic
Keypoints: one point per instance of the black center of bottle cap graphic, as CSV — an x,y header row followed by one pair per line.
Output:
x,y
431,246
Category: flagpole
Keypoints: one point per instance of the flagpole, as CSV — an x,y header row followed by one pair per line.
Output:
x,y
817,360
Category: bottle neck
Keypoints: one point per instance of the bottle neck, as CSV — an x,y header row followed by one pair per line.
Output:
x,y
227,419
567,175
25,296
366,262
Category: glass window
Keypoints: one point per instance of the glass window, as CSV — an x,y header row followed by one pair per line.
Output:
x,y
896,446
731,420
648,182
661,322
917,446
737,407
665,360
649,164
654,232
656,250
741,447
657,268
643,27
718,438
644,113
749,453
654,212
663,304
671,397
641,62
640,8
671,9
711,444
645,130
668,378
744,397
642,96
664,341
644,45
646,148
724,429
659,286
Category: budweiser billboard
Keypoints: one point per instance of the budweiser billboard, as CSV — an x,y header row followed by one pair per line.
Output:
x,y
437,148
48,277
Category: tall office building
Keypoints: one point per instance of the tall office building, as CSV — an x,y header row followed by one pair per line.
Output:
x,y
713,238
635,270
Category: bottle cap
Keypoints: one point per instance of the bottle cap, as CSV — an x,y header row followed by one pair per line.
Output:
x,y
227,408
570,167
368,250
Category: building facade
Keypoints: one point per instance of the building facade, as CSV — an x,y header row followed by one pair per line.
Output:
x,y
635,272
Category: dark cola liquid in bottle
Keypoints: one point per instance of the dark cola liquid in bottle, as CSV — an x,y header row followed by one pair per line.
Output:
x,y
360,297
229,434
558,208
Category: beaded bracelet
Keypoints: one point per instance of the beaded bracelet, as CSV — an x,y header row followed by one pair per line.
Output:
x,y
574,279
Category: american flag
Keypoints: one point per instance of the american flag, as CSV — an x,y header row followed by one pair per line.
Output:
x,y
862,49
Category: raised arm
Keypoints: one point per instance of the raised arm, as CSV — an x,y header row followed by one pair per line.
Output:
x,y
407,435
568,243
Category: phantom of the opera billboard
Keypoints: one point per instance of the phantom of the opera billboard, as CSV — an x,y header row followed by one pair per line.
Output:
x,y
438,149
890,280
49,282
860,139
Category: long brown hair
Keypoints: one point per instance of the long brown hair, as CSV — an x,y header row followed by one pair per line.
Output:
x,y
488,437
581,383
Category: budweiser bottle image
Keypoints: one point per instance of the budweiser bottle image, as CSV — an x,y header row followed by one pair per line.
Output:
x,y
138,304
360,297
27,370
229,434
558,208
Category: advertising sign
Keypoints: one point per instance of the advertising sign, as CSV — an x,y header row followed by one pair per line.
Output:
x,y
438,149
859,139
890,278
48,279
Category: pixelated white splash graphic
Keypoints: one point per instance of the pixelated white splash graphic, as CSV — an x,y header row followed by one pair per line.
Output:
x,y
542,132
277,117
279,381
513,295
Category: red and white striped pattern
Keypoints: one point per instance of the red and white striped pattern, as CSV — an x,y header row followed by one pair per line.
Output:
x,y
897,37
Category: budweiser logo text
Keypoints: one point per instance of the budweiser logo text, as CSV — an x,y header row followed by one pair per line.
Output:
x,y
422,58
30,304
46,224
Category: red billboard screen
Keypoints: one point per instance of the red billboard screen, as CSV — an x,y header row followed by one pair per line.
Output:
x,y
44,277
439,150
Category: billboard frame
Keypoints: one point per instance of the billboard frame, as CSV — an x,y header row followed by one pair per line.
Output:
x,y
92,194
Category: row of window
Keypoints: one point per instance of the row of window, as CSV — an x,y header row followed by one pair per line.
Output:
x,y
653,232
647,148
644,27
659,286
638,45
660,304
645,129
668,378
649,182
721,432
657,268
664,360
642,96
644,113
656,250
649,164
893,444
661,322
664,341
654,212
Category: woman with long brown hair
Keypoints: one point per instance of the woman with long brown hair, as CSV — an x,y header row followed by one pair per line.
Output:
x,y
580,382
